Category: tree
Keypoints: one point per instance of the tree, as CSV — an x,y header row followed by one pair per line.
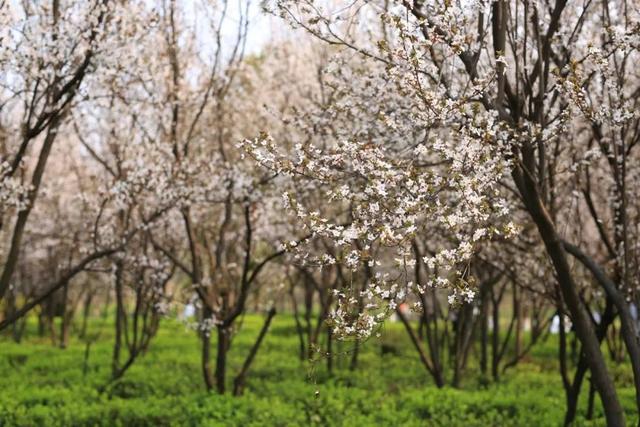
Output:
x,y
500,76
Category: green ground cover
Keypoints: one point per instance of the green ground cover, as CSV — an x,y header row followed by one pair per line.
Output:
x,y
41,385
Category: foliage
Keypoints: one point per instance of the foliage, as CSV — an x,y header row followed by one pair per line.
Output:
x,y
41,385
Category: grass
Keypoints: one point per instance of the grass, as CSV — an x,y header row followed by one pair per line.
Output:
x,y
41,385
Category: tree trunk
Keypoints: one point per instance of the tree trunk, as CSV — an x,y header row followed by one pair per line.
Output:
x,y
107,303
120,313
518,315
221,358
65,319
299,328
329,351
628,330
495,342
573,391
18,327
464,332
484,333
16,239
354,356
85,314
436,375
239,382
308,309
85,360
584,327
205,337
592,392
42,322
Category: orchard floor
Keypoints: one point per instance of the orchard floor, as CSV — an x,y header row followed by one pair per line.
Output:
x,y
41,385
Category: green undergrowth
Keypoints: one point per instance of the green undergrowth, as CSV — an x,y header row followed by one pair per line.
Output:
x,y
41,385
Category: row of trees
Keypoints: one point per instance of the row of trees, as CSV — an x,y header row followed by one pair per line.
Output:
x,y
441,156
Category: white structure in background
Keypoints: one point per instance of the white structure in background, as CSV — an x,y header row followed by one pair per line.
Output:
x,y
189,311
554,328
633,309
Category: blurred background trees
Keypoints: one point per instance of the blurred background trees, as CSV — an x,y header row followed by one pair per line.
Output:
x,y
467,169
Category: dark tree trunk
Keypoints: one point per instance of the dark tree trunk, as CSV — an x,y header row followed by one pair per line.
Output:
x,y
221,358
517,308
18,327
299,328
573,390
484,333
592,392
42,322
65,318
120,313
85,360
86,311
240,380
495,342
464,331
308,309
107,303
205,337
435,374
329,351
354,356
629,331
584,327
